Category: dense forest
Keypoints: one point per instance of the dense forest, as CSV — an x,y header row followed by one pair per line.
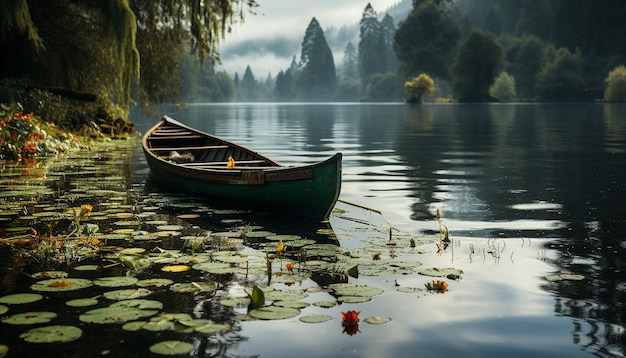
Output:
x,y
104,56
483,50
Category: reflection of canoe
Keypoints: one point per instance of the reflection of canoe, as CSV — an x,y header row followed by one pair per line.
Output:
x,y
185,159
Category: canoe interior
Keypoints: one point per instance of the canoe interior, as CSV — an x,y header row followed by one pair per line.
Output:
x,y
205,150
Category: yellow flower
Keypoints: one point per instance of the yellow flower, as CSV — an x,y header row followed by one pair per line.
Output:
x,y
231,163
280,247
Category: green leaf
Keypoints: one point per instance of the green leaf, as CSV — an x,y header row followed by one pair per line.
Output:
x,y
354,271
257,297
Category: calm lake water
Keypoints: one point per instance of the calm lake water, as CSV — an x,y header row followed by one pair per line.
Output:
x,y
543,184
533,196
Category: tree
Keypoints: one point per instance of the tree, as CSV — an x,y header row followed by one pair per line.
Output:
x,y
616,84
418,87
478,62
350,62
526,63
503,87
562,78
247,91
383,87
372,46
389,29
317,80
94,46
427,39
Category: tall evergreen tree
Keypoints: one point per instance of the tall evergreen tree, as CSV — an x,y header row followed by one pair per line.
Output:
x,y
247,91
317,79
389,31
372,59
350,62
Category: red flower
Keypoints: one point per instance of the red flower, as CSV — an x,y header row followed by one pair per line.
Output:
x,y
350,322
350,317
289,266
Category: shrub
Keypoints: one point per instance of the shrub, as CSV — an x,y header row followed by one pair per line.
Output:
x,y
616,84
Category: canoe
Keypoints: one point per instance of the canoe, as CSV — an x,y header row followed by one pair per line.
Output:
x,y
185,159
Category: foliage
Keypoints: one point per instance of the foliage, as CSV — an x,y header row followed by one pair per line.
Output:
x,y
503,87
418,87
371,46
616,84
562,78
383,87
22,136
348,89
427,39
93,46
478,62
350,62
526,60
317,79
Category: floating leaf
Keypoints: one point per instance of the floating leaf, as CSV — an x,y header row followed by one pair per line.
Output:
x,y
115,281
441,272
63,284
325,304
82,302
52,334
409,289
212,328
127,294
171,348
20,298
175,268
138,303
156,282
133,326
87,268
235,301
50,274
3,309
274,312
377,320
161,325
291,304
194,287
293,295
169,228
114,315
188,216
29,318
315,318
349,289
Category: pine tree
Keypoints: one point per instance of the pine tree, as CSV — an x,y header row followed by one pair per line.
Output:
x,y
317,80
350,62
371,46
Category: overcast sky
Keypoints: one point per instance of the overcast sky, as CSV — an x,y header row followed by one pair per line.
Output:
x,y
287,19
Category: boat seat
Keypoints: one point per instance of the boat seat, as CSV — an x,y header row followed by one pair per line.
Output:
x,y
177,136
217,165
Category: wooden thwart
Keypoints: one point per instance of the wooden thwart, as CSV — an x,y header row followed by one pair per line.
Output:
x,y
182,149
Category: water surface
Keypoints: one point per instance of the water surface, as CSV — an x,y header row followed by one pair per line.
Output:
x,y
541,185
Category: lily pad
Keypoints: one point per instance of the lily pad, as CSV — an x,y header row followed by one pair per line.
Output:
x,y
212,328
50,274
61,284
169,228
409,289
127,294
170,348
377,320
133,326
194,287
156,326
325,304
115,281
354,299
175,268
274,312
114,315
82,302
3,309
286,295
87,268
139,303
156,282
291,304
315,318
20,298
441,272
29,318
52,334
349,289
235,301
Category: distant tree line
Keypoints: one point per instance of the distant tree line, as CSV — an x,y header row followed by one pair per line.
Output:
x,y
482,50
